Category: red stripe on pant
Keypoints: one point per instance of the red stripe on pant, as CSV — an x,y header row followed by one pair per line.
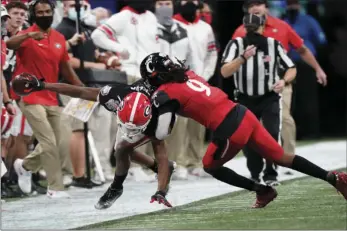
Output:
x,y
249,132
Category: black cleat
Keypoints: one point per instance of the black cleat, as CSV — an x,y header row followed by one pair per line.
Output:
x,y
107,200
82,182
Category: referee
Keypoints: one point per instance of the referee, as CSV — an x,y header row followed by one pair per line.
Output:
x,y
254,62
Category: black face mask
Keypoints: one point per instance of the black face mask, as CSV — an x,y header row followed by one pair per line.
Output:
x,y
256,39
188,11
292,14
139,5
44,22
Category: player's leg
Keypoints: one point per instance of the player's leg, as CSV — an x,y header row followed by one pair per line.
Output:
x,y
221,151
263,142
115,190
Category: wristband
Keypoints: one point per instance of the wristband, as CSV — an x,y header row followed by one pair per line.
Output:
x,y
243,57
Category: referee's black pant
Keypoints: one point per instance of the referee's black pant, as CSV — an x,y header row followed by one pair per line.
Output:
x,y
266,108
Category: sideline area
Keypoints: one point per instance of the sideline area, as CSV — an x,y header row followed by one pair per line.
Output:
x,y
43,213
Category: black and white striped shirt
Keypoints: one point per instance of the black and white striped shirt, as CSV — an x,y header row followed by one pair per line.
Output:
x,y
260,72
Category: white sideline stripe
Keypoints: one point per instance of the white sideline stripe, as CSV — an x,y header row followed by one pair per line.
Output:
x,y
43,213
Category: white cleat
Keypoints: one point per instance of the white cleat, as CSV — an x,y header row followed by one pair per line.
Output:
x,y
57,194
199,172
24,176
180,173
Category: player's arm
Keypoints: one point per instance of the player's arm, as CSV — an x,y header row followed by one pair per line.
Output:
x,y
87,93
161,156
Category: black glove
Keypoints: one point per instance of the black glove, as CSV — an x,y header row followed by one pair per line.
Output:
x,y
159,196
25,83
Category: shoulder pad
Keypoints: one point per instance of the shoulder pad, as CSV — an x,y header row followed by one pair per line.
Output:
x,y
159,98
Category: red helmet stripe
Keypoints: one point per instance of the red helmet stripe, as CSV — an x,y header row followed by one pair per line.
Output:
x,y
133,110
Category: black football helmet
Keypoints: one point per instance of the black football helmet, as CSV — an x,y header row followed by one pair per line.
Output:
x,y
158,68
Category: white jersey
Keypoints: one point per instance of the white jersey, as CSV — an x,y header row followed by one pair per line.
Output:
x,y
203,47
131,32
174,41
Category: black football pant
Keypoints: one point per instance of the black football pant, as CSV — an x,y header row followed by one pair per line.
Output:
x,y
266,108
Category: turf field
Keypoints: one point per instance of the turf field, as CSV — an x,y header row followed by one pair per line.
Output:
x,y
306,203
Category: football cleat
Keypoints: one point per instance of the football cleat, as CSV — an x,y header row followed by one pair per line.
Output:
x,y
265,197
341,183
107,200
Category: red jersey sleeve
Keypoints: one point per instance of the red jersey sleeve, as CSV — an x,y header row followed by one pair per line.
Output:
x,y
294,39
239,32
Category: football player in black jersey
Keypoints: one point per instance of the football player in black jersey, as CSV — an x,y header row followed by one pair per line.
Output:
x,y
114,98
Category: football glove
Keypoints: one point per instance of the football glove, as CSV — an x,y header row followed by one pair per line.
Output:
x,y
25,83
159,197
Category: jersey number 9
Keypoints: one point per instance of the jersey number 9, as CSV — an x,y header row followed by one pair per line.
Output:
x,y
198,86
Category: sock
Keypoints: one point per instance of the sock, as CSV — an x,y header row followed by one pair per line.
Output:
x,y
154,167
302,165
228,176
118,181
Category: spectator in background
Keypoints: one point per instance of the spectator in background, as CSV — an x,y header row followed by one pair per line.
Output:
x,y
173,39
97,16
21,131
91,60
9,111
203,62
283,33
41,51
306,112
132,33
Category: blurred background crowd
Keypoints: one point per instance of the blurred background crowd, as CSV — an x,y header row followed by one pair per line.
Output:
x,y
118,34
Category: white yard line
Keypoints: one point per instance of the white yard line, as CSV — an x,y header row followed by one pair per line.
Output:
x,y
43,213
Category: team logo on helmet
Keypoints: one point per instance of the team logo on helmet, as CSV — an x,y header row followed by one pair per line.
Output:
x,y
149,65
147,111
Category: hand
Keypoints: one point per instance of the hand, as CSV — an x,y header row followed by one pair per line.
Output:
x,y
279,86
160,198
11,109
99,66
321,77
76,38
124,54
25,83
250,51
36,35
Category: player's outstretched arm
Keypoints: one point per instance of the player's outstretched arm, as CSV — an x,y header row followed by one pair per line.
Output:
x,y
25,83
87,93
161,156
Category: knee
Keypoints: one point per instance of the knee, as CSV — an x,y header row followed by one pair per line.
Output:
x,y
286,160
209,170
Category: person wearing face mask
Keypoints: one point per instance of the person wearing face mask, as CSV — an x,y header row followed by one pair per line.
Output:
x,y
251,62
42,52
306,107
284,33
173,40
133,34
92,59
203,62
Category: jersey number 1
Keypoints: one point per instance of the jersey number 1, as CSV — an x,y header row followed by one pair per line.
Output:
x,y
198,86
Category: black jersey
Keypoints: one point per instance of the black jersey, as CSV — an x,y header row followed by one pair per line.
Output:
x,y
111,96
